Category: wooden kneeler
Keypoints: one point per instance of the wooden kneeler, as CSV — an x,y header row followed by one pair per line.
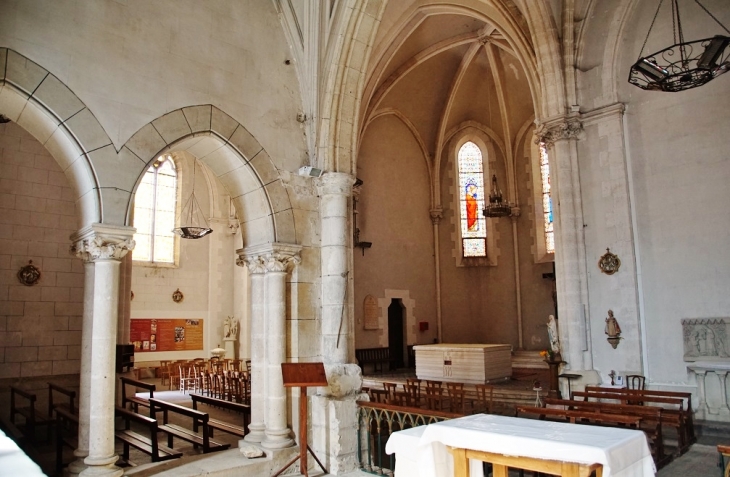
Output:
x,y
303,375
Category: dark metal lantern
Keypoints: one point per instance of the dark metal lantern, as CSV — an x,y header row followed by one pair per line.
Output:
x,y
683,65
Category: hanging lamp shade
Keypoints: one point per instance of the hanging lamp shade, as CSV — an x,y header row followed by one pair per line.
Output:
x,y
684,64
193,224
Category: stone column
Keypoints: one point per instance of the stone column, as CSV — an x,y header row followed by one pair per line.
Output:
x,y
256,270
560,137
437,213
334,410
105,246
82,451
724,408
334,189
277,261
702,410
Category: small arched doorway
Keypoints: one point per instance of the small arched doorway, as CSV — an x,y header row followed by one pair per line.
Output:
x,y
396,332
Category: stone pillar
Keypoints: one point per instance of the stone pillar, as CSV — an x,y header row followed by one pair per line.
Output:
x,y
560,137
334,190
105,246
277,261
256,270
82,451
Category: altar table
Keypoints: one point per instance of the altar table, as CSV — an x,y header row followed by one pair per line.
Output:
x,y
464,363
621,452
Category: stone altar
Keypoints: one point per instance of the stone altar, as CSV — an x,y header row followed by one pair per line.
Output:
x,y
464,363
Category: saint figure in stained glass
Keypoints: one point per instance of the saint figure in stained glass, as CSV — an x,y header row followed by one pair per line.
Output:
x,y
471,207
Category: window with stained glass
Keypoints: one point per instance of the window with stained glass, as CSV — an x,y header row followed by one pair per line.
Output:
x,y
471,201
547,201
155,205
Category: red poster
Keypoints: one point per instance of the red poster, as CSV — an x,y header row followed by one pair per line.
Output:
x,y
149,335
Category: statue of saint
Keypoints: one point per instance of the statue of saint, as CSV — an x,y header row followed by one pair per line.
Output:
x,y
234,328
552,326
227,327
613,330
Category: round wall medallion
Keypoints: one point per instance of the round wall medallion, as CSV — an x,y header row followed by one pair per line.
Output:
x,y
609,263
177,296
29,275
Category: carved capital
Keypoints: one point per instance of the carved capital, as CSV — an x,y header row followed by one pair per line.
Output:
x,y
280,261
437,213
270,257
102,242
337,183
550,132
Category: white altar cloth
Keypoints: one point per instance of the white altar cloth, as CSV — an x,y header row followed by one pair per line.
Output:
x,y
622,452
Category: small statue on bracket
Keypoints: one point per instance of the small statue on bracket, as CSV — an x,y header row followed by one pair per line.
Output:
x,y
613,330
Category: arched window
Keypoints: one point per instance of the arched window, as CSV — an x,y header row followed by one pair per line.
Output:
x,y
547,201
471,201
155,206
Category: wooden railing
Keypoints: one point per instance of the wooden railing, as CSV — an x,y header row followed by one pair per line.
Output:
x,y
376,422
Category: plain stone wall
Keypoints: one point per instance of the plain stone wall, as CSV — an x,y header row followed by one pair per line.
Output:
x,y
40,326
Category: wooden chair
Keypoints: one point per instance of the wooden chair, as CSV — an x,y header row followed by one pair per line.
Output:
x,y
413,390
165,375
434,395
724,459
379,396
485,397
417,384
390,388
187,377
455,395
635,381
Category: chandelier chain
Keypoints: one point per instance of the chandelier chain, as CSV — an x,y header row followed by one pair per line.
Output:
x,y
650,28
711,15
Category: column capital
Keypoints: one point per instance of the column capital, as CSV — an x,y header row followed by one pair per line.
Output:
x,y
437,213
102,242
339,183
557,129
269,257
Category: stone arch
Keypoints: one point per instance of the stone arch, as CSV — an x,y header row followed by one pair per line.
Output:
x,y
41,104
231,153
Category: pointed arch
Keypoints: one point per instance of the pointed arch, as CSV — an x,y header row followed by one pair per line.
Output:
x,y
232,154
43,105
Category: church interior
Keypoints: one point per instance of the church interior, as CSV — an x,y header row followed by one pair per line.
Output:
x,y
360,183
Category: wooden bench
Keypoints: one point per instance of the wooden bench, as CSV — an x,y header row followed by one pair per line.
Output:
x,y
651,420
672,410
243,409
146,443
67,425
687,410
133,400
374,356
28,412
173,430
582,417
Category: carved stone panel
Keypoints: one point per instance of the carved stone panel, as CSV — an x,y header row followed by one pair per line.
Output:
x,y
371,312
706,339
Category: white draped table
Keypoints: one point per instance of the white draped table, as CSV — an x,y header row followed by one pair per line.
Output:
x,y
621,452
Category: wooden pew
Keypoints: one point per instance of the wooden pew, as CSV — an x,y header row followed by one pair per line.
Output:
x,y
67,425
68,406
374,356
688,410
146,443
583,417
672,414
173,430
651,420
28,412
133,400
243,409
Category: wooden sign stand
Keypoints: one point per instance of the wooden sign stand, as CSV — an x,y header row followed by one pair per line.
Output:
x,y
303,375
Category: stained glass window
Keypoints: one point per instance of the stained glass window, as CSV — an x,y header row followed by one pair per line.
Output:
x,y
547,201
471,201
155,204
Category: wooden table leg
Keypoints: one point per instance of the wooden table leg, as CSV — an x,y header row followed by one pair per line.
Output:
x,y
499,470
461,462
